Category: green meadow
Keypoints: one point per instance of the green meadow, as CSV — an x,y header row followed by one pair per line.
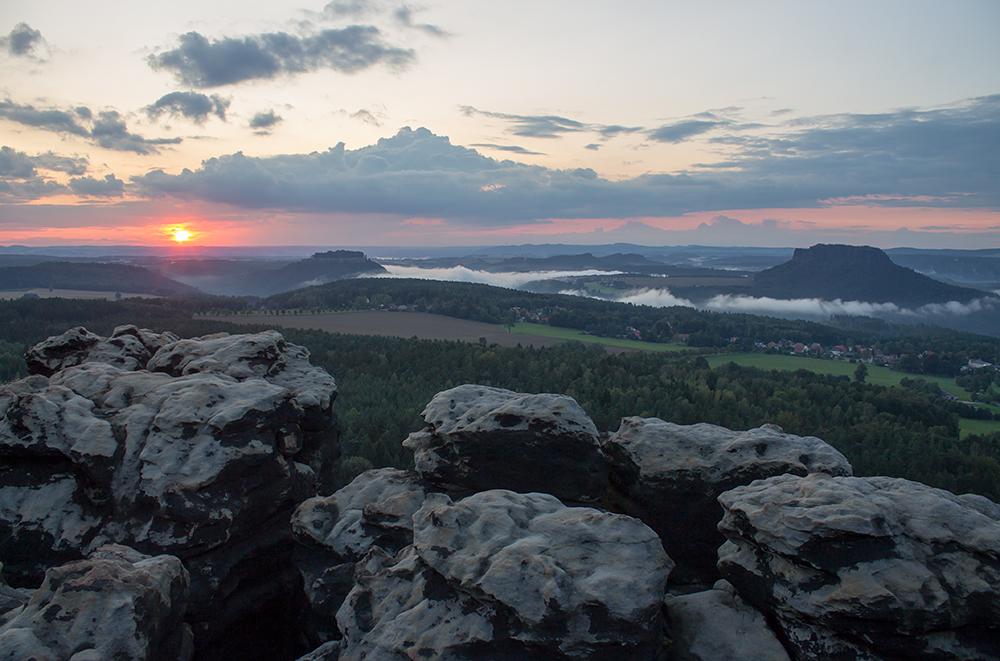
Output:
x,y
544,330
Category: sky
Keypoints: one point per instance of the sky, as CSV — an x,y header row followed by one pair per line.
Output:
x,y
370,122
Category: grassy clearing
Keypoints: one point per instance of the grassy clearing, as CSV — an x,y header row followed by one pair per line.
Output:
x,y
544,330
967,427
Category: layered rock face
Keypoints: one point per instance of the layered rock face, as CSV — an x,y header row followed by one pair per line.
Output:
x,y
480,438
867,568
198,448
670,476
117,604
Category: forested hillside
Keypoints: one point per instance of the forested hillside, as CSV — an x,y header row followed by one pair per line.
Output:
x,y
385,382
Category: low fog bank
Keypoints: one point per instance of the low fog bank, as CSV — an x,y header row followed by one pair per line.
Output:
x,y
981,315
509,280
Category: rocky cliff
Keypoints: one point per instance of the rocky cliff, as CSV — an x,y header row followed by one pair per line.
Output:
x,y
188,481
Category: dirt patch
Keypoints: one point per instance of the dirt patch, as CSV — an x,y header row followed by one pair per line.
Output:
x,y
421,325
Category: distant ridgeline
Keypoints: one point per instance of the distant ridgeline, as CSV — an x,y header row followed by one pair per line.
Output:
x,y
854,273
91,276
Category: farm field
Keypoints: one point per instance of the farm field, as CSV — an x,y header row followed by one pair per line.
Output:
x,y
422,325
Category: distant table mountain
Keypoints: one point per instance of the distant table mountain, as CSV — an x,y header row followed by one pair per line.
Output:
x,y
854,273
92,277
321,268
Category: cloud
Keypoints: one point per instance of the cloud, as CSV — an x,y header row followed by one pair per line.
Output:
x,y
405,17
549,126
946,158
681,131
22,40
592,146
190,105
263,121
107,130
511,148
367,117
20,180
107,187
110,132
351,9
49,119
199,62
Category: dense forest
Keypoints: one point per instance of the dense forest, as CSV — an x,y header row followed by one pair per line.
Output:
x,y
385,382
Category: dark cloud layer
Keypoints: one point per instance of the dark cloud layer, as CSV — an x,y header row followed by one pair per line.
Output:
x,y
514,149
263,122
21,41
549,126
191,105
942,158
681,131
107,129
107,187
21,181
405,17
199,62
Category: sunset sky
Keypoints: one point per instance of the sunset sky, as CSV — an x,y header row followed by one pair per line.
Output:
x,y
361,123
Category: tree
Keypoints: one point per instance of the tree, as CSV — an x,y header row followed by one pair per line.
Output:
x,y
860,373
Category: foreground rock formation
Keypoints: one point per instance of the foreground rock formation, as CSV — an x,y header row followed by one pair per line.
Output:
x,y
671,476
117,604
215,455
859,568
196,448
480,438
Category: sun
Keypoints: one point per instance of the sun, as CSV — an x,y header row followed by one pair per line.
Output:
x,y
180,234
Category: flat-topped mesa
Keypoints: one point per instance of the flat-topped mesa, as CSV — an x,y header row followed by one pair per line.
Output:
x,y
204,458
867,568
670,475
480,438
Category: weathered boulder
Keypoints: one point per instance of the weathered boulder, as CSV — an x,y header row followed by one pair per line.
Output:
x,y
117,604
205,459
867,568
335,532
479,438
501,575
670,476
716,625
127,347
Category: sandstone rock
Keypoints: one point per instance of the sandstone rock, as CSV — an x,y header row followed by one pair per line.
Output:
x,y
501,575
205,465
116,604
128,347
335,532
716,625
480,438
670,476
867,568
